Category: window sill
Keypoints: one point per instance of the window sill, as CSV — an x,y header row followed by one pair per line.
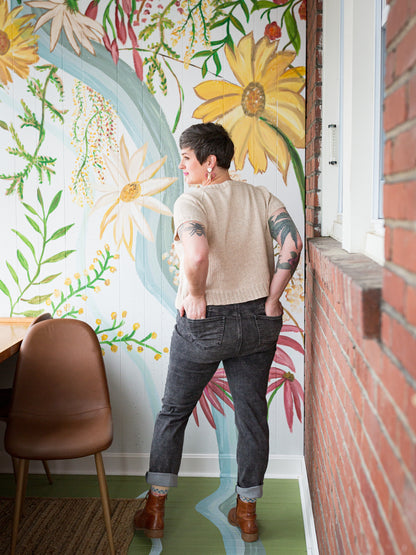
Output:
x,y
353,280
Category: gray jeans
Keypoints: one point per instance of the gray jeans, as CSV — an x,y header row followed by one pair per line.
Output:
x,y
244,339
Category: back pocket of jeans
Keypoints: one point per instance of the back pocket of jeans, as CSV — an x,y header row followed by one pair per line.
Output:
x,y
269,328
206,333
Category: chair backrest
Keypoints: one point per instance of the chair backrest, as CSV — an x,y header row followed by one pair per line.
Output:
x,y
60,377
41,318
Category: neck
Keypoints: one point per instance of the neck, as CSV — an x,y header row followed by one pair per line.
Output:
x,y
218,175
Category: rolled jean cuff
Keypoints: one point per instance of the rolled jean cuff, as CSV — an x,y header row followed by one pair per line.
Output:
x,y
254,492
162,479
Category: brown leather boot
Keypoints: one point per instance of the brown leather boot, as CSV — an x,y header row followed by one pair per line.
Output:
x,y
244,516
150,517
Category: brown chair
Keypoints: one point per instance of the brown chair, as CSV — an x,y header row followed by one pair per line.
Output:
x,y
60,406
6,399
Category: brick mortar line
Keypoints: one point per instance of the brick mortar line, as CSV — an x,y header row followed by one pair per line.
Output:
x,y
370,404
398,177
407,276
353,439
401,80
408,225
400,128
400,35
391,311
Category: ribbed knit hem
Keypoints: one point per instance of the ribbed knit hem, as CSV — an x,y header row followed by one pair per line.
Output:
x,y
219,297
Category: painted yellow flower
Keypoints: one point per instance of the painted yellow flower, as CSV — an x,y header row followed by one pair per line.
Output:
x,y
18,44
133,187
267,92
65,14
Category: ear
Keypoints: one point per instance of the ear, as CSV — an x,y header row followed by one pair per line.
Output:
x,y
211,161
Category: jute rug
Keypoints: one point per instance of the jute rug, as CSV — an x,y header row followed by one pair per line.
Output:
x,y
71,526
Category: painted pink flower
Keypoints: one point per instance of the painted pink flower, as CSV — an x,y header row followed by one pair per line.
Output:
x,y
292,392
217,389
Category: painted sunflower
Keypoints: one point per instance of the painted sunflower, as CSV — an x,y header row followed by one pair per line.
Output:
x,y
18,44
133,187
265,110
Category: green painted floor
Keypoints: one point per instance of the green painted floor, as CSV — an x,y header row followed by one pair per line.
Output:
x,y
187,532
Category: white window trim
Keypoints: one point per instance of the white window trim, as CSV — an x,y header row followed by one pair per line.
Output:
x,y
351,60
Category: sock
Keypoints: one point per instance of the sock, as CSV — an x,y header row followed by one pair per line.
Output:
x,y
247,499
159,490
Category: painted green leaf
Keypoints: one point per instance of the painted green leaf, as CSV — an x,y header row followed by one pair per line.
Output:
x,y
217,63
263,5
21,258
25,241
60,256
4,288
292,30
202,53
33,224
60,232
237,24
55,202
32,313
40,198
3,125
218,23
245,10
13,273
30,208
49,278
38,299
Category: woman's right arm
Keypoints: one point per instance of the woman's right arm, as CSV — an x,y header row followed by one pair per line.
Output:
x,y
284,231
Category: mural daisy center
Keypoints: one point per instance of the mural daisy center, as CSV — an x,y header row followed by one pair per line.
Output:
x,y
253,99
130,192
289,376
4,43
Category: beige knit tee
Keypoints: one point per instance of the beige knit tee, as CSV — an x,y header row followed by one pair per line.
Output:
x,y
241,261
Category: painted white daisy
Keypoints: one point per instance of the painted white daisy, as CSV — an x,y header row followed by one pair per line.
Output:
x,y
133,187
65,14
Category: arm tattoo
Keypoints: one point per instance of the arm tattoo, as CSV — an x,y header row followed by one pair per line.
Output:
x,y
283,225
193,228
291,264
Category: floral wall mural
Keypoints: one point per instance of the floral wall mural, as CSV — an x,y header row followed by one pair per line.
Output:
x,y
93,98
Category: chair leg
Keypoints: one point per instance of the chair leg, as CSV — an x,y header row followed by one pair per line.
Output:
x,y
104,499
23,468
47,471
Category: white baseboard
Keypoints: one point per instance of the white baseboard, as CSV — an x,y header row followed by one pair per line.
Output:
x,y
308,521
136,464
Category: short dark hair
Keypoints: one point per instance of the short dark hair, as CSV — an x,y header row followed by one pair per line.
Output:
x,y
206,139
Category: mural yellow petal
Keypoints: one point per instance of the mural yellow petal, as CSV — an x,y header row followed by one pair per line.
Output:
x,y
216,108
239,132
241,59
275,68
268,139
263,55
283,158
293,79
213,89
256,150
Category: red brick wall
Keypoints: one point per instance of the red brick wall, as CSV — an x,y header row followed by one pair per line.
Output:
x,y
360,374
